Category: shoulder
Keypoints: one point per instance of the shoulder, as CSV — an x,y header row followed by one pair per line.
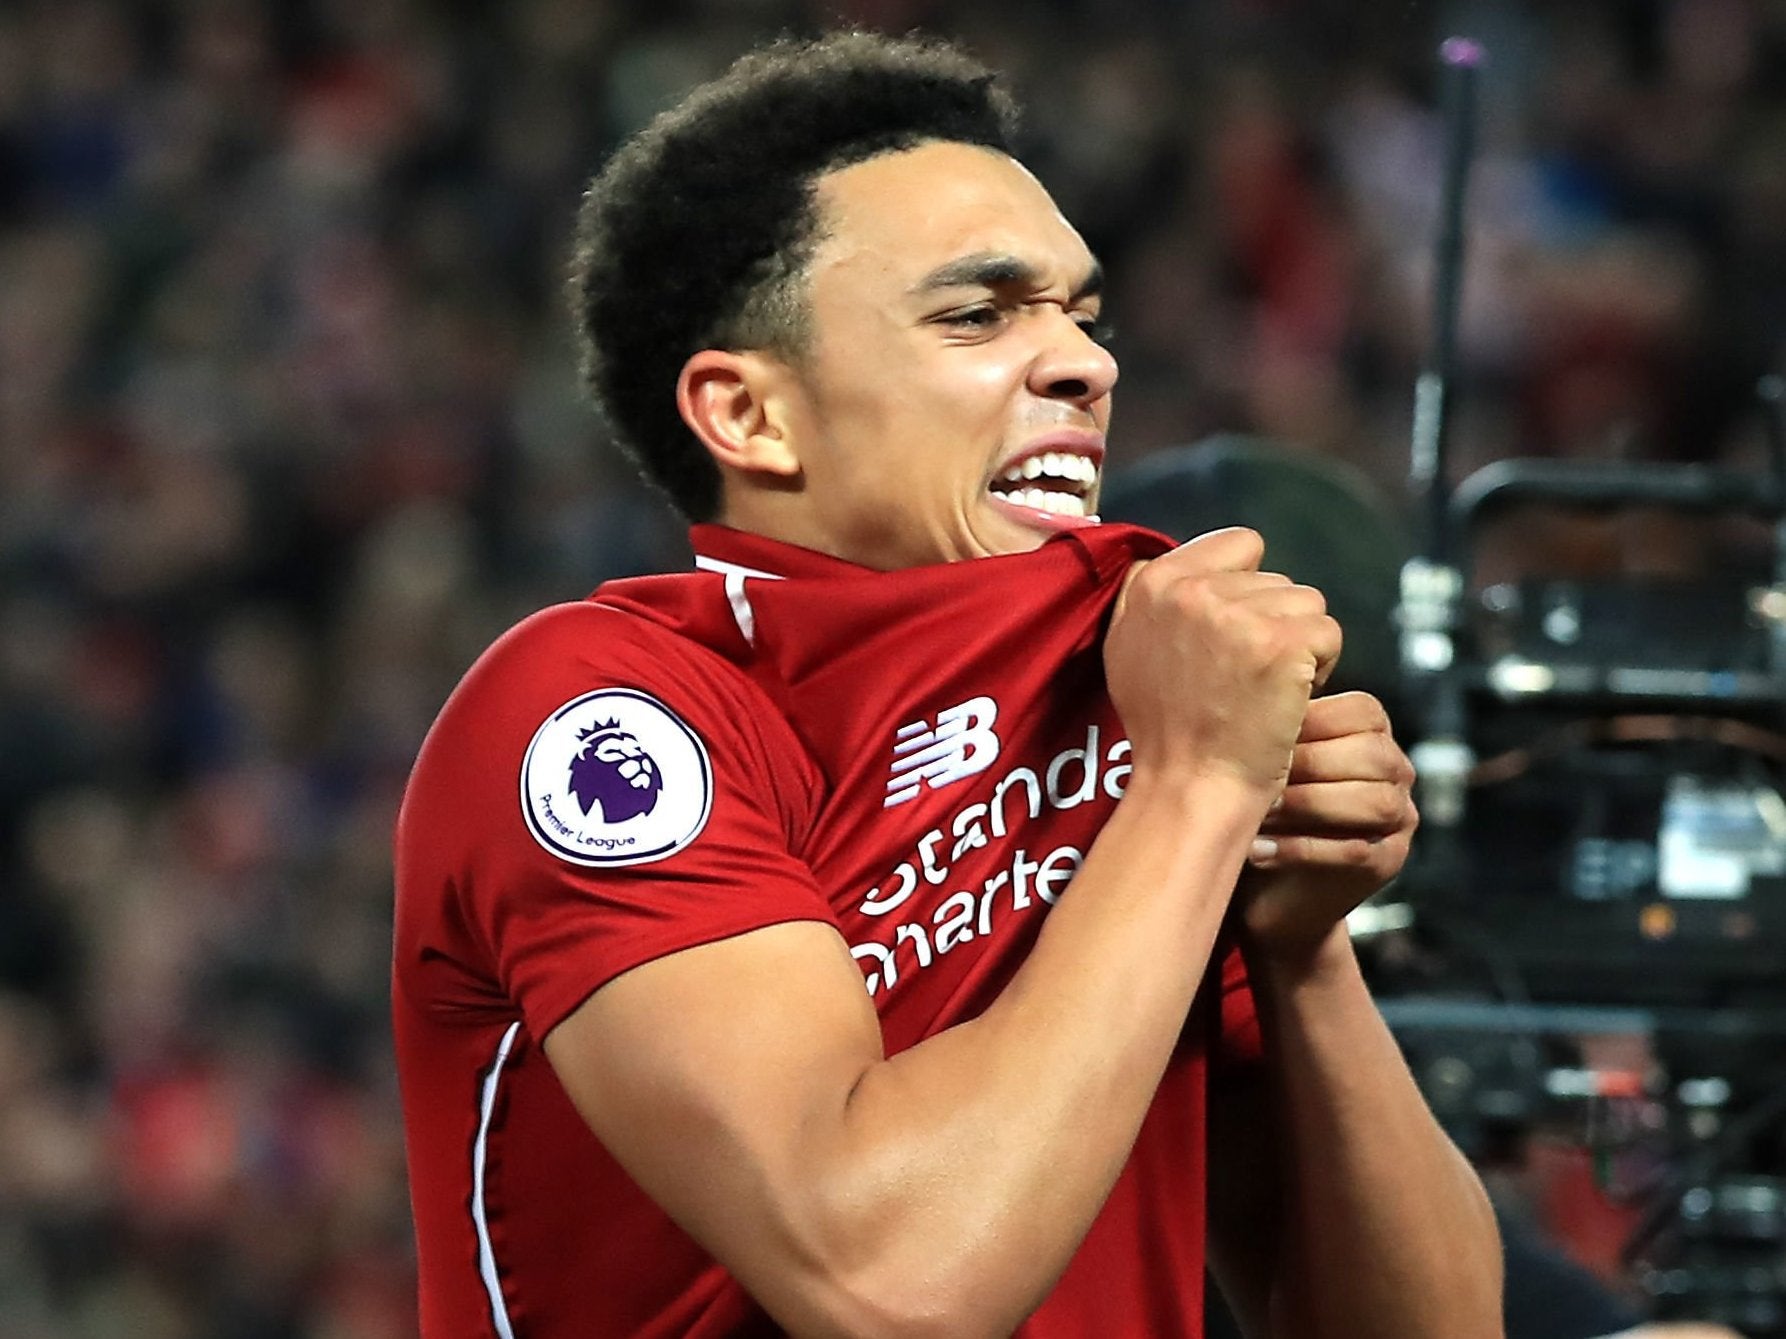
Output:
x,y
569,650
598,790
595,699
600,633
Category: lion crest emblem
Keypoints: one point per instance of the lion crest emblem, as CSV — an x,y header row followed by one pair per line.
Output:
x,y
613,769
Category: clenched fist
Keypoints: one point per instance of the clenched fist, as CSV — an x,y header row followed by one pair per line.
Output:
x,y
1211,662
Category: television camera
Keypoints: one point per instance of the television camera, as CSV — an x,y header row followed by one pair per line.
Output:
x,y
1601,867
1602,780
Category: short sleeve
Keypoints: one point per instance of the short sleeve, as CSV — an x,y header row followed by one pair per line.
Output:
x,y
604,797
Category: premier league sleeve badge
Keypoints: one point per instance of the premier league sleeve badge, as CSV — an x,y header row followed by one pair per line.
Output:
x,y
614,777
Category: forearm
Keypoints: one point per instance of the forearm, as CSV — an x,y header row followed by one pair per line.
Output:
x,y
1386,1230
979,1158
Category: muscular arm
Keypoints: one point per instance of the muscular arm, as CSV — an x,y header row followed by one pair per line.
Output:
x,y
942,1191
1338,1206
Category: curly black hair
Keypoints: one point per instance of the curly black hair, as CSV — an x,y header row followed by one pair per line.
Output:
x,y
697,232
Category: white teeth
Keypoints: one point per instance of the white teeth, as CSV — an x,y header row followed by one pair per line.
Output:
x,y
1067,504
1054,464
1065,466
1042,499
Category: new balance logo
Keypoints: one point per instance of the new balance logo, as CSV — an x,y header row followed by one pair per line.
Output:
x,y
960,744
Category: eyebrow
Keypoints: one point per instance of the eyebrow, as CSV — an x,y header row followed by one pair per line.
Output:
x,y
996,269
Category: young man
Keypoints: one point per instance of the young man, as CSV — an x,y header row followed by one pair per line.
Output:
x,y
739,984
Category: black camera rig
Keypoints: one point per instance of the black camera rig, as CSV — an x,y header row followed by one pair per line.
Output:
x,y
1602,782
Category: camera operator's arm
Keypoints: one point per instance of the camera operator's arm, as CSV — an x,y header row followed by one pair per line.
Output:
x,y
1338,1207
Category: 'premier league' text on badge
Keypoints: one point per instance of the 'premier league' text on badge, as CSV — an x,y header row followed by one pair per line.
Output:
x,y
615,778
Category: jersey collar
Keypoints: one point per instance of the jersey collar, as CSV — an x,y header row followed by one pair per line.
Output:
x,y
719,548
739,553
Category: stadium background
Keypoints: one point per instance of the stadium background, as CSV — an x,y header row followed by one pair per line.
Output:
x,y
289,427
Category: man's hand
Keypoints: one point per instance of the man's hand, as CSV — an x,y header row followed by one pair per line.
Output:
x,y
1340,831
1211,662
1338,1209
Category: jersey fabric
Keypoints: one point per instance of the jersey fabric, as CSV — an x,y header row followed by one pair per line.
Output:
x,y
919,758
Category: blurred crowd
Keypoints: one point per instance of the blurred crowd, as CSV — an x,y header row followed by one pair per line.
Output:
x,y
290,427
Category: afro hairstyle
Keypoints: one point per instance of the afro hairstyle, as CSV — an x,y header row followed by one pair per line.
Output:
x,y
697,232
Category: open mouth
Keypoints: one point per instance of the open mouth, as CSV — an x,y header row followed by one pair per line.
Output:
x,y
1057,482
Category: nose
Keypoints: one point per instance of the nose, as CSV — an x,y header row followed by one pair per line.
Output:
x,y
1071,365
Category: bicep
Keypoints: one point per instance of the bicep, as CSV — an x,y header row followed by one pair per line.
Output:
x,y
717,1077
1245,1196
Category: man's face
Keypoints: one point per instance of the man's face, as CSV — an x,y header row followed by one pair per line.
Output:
x,y
953,400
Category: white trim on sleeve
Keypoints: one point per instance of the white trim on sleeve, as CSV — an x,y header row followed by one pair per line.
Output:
x,y
486,1252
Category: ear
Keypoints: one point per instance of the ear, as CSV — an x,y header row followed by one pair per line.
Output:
x,y
738,405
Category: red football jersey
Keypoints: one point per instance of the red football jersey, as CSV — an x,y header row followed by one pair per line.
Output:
x,y
920,758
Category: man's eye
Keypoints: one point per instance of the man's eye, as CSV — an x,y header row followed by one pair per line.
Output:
x,y
1100,331
974,318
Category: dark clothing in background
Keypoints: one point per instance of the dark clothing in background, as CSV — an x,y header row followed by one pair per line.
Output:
x,y
1547,1295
